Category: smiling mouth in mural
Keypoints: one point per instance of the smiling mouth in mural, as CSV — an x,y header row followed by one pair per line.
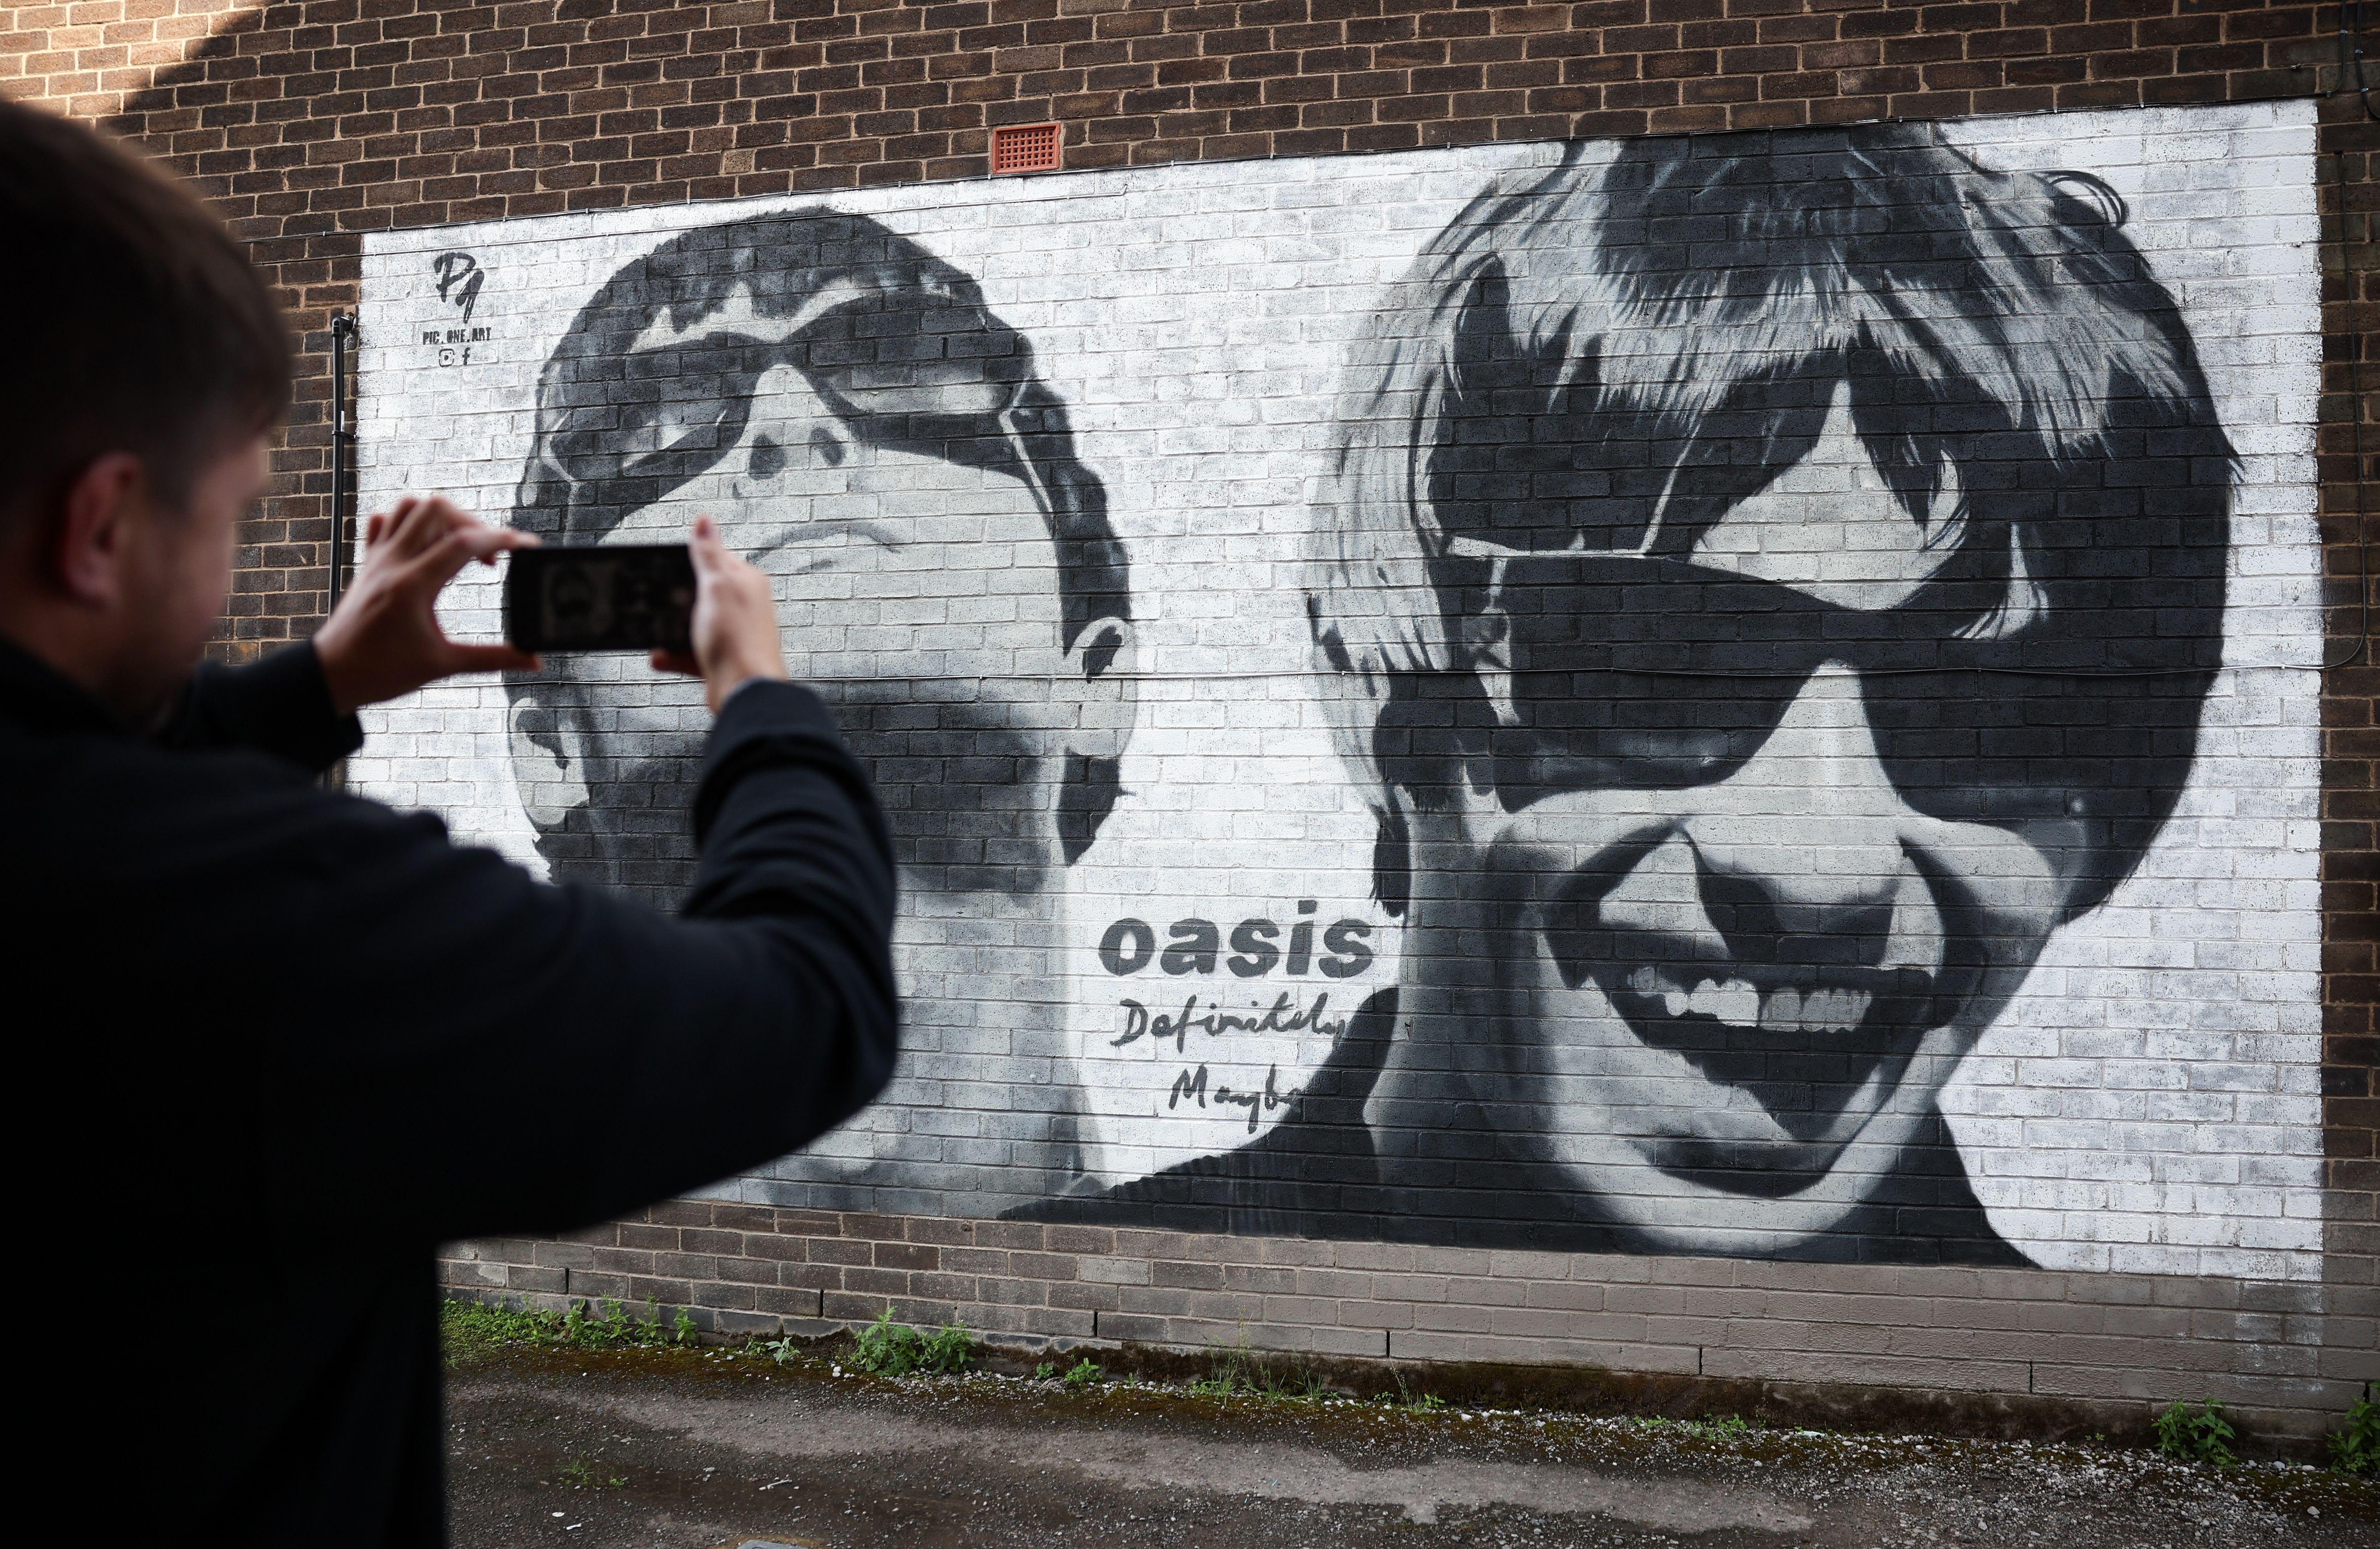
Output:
x,y
1818,1045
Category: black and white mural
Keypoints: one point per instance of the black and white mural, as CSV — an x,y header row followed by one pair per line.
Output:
x,y
1728,694
879,442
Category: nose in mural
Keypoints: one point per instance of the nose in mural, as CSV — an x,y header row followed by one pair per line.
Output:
x,y
1785,933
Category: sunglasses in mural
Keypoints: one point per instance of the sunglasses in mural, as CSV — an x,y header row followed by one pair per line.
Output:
x,y
1770,583
1624,672
674,412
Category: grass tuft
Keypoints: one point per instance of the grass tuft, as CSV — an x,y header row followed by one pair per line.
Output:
x,y
2196,1436
476,1328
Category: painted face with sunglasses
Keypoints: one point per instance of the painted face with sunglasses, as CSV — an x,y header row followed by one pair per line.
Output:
x,y
867,433
1788,690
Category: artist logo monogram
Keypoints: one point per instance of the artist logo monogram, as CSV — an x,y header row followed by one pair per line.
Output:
x,y
459,279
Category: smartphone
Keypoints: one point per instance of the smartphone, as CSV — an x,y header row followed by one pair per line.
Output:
x,y
622,597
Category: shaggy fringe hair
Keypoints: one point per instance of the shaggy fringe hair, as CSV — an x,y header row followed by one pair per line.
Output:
x,y
1629,345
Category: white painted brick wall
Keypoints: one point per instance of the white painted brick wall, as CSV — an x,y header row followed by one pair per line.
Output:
x,y
2148,1103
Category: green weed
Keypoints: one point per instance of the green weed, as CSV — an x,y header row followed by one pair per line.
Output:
x,y
949,1348
1084,1373
1720,1428
1241,1374
471,1327
891,1349
2200,1435
579,1474
1235,1374
1044,1371
2355,1450
1411,1400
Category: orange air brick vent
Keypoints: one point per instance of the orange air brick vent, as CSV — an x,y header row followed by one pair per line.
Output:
x,y
1024,148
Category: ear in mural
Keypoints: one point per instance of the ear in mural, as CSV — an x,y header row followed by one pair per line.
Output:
x,y
1770,586
870,435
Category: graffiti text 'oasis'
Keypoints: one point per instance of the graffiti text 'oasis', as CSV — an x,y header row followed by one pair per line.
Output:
x,y
1256,948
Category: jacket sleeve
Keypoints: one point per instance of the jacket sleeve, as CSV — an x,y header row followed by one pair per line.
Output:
x,y
279,706
504,1056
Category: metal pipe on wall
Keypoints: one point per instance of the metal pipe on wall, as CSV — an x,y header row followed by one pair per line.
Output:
x,y
343,330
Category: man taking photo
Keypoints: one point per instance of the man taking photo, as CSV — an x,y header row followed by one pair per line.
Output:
x,y
280,1041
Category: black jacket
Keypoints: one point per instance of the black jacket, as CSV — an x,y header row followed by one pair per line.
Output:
x,y
274,1044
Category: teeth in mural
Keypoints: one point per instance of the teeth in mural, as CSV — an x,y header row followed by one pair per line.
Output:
x,y
1740,1004
1734,1001
1828,1011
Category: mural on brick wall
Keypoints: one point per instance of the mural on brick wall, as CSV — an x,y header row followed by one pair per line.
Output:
x,y
874,439
1736,694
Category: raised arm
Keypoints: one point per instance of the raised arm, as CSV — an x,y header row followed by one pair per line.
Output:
x,y
515,1056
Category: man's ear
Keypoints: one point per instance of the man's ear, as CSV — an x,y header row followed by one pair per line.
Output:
x,y
549,743
1102,665
87,549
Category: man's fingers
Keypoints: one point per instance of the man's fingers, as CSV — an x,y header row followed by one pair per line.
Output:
x,y
436,564
500,539
418,523
373,525
439,562
398,524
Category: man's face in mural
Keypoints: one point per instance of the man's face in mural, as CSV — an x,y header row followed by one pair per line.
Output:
x,y
1744,922
919,595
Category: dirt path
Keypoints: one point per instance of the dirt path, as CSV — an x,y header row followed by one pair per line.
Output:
x,y
705,1449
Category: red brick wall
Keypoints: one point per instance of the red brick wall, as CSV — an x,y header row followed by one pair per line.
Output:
x,y
312,122
2349,456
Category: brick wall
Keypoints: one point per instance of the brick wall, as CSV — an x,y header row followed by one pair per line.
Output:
x,y
313,124
2099,1349
2351,505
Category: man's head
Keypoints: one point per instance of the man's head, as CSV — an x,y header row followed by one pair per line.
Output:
x,y
868,433
1773,584
149,362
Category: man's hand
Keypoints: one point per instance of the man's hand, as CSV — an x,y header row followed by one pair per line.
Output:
x,y
735,621
384,639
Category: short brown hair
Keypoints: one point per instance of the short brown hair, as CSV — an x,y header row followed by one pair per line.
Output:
x,y
137,322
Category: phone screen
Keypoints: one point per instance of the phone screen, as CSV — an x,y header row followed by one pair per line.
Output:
x,y
614,597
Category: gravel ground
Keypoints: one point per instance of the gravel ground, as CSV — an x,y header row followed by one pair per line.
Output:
x,y
711,1448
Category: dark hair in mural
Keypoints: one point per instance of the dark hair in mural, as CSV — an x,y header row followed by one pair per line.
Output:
x,y
1582,377
895,342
